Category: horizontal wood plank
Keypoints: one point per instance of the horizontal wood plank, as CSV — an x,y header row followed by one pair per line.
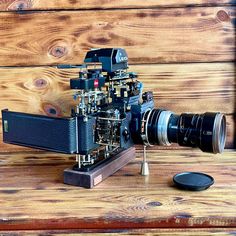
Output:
x,y
203,34
123,232
193,87
14,5
46,169
196,87
33,196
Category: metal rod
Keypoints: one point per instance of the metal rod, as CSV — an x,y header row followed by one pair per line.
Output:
x,y
144,166
77,156
144,153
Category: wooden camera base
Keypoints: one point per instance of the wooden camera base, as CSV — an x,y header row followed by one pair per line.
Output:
x,y
93,177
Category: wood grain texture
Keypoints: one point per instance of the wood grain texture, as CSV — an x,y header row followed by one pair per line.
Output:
x,y
33,196
14,5
123,232
194,87
203,34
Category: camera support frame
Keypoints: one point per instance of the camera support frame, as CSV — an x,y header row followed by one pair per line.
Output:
x,y
89,179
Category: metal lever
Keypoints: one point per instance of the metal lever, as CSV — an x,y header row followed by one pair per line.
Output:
x,y
68,66
144,165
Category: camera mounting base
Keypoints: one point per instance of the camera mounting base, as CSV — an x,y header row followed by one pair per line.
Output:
x,y
93,177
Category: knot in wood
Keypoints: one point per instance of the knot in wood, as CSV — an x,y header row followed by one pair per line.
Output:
x,y
40,83
19,5
52,110
222,15
58,51
154,204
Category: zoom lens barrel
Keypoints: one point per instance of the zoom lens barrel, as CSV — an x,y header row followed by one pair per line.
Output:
x,y
206,131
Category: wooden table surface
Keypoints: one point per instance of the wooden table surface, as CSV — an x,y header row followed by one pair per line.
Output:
x,y
33,198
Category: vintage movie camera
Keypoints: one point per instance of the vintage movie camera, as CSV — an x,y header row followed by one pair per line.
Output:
x,y
112,114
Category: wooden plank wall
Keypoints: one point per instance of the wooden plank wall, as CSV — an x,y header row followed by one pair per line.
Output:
x,y
183,50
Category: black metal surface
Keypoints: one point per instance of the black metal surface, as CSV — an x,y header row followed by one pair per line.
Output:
x,y
112,59
152,126
37,131
193,130
96,81
85,134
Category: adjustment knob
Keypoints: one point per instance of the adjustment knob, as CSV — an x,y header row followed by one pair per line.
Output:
x,y
126,135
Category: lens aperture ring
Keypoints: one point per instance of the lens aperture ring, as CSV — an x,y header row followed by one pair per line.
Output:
x,y
144,127
152,126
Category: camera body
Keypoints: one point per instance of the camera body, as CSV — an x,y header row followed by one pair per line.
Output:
x,y
106,120
112,114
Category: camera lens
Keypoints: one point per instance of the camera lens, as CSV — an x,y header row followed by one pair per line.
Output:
x,y
206,131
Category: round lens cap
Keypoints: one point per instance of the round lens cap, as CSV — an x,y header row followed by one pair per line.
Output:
x,y
194,181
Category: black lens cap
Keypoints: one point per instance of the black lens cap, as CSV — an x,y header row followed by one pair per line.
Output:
x,y
194,181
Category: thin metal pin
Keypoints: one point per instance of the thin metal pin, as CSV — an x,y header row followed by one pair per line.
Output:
x,y
77,156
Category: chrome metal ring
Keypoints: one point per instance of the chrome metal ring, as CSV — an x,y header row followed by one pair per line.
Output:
x,y
219,133
144,134
162,128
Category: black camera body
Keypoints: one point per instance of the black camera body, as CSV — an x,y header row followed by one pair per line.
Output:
x,y
113,114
